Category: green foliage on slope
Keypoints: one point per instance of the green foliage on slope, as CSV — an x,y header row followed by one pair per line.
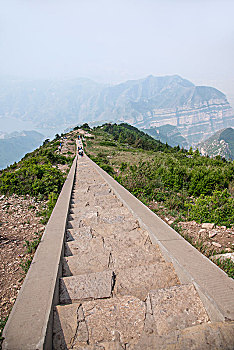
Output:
x,y
36,174
188,185
127,134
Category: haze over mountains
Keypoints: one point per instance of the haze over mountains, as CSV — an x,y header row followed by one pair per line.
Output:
x,y
195,112
14,146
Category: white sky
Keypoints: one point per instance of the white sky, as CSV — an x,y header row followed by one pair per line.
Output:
x,y
112,41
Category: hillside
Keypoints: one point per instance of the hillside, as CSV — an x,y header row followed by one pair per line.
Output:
x,y
15,145
196,111
221,143
186,190
192,193
168,134
28,192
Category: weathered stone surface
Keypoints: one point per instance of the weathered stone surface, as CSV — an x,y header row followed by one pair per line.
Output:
x,y
83,245
207,336
208,225
65,326
175,308
75,234
134,256
89,219
87,262
124,316
138,281
136,237
86,287
105,229
85,212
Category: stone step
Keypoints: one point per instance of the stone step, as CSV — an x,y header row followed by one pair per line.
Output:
x,y
98,260
97,192
83,245
98,321
85,263
207,336
108,200
77,234
95,285
85,237
125,323
172,309
138,281
112,208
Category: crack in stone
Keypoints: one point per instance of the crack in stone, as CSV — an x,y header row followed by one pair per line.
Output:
x,y
80,321
110,261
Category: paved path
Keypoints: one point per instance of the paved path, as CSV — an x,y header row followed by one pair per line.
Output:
x,y
117,291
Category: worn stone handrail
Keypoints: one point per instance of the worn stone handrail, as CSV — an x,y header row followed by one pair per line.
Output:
x,y
30,323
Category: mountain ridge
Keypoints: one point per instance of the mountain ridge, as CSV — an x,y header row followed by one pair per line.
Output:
x,y
196,111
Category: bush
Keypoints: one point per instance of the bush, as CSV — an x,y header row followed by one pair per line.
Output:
x,y
217,208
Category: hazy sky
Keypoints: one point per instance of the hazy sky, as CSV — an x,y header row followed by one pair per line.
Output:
x,y
111,41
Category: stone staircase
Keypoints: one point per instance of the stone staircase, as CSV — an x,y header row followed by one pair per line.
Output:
x,y
117,290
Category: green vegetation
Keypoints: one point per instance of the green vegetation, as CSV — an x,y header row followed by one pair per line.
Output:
x,y
227,265
188,185
3,322
127,134
217,208
31,246
36,174
25,264
170,180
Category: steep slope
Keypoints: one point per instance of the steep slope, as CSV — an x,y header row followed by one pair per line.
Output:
x,y
14,146
167,134
197,111
221,143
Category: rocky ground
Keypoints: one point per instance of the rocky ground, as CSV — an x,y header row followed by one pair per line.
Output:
x,y
214,237
208,238
19,222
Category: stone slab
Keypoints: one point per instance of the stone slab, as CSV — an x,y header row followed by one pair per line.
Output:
x,y
113,323
65,326
123,239
86,263
175,308
107,229
124,316
207,336
134,256
211,280
138,281
83,245
86,287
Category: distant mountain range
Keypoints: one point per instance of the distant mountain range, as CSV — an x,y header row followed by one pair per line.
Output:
x,y
195,112
221,143
15,145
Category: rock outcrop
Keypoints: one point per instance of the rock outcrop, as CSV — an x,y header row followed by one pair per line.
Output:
x,y
219,144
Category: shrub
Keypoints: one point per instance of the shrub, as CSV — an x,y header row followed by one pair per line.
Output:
x,y
217,208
